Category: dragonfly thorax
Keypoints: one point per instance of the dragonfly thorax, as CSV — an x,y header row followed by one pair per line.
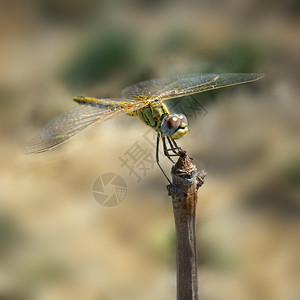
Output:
x,y
174,126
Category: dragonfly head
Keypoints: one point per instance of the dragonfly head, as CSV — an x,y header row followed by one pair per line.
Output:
x,y
175,126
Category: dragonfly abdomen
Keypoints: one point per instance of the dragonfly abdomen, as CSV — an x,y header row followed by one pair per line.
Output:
x,y
89,100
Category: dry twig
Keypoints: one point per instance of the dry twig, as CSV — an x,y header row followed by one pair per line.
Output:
x,y
186,181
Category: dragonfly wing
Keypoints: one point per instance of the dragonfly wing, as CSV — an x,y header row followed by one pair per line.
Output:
x,y
178,86
193,84
146,89
72,122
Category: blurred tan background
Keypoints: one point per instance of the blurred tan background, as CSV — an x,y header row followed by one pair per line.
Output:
x,y
57,242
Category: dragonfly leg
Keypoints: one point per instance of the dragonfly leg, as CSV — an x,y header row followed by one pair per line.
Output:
x,y
166,150
157,158
171,141
173,146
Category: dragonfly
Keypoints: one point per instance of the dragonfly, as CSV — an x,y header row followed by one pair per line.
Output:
x,y
144,100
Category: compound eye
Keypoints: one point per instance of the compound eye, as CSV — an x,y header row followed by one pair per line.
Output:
x,y
183,118
173,122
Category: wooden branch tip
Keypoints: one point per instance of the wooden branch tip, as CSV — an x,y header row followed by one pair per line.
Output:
x,y
185,184
185,176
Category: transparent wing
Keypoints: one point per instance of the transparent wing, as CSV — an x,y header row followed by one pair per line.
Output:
x,y
72,122
145,89
174,87
201,83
